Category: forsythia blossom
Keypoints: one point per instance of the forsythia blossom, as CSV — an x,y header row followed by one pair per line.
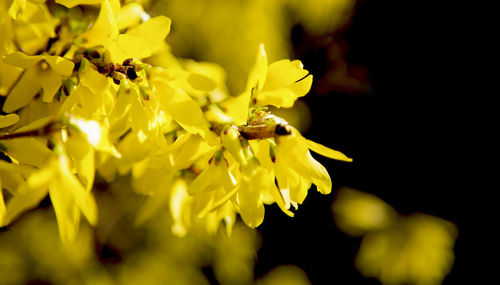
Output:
x,y
104,95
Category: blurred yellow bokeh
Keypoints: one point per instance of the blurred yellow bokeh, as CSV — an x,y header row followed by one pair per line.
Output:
x,y
396,249
229,32
118,252
285,275
357,213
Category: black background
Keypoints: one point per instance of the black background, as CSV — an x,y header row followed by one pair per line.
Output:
x,y
407,136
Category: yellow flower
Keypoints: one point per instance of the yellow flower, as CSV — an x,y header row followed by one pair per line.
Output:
x,y
293,155
213,187
139,42
44,72
181,107
28,23
278,84
96,134
286,158
251,185
67,194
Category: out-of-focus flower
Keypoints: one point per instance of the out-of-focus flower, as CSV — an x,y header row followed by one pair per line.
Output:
x,y
321,16
357,213
419,251
239,26
284,275
32,250
235,256
415,249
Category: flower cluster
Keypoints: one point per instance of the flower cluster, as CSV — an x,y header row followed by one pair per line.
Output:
x,y
82,96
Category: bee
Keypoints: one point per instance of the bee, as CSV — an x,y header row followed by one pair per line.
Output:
x,y
263,131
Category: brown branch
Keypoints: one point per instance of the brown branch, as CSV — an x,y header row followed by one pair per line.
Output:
x,y
49,128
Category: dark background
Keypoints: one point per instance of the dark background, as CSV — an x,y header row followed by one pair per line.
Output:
x,y
405,129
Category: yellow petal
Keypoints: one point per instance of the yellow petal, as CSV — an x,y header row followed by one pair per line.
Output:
x,y
231,141
128,46
82,154
17,6
60,64
8,120
220,201
194,147
82,198
237,108
282,198
28,150
8,75
215,114
21,59
22,169
298,193
302,87
201,82
251,211
73,99
257,76
208,180
97,135
153,31
213,71
130,15
73,3
119,115
3,209
327,152
180,208
286,81
50,82
139,117
249,196
105,26
92,103
283,97
36,125
284,73
294,153
318,174
287,179
202,203
67,213
25,89
92,79
183,109
11,180
29,194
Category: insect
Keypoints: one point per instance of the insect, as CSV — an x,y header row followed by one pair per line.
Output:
x,y
264,131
